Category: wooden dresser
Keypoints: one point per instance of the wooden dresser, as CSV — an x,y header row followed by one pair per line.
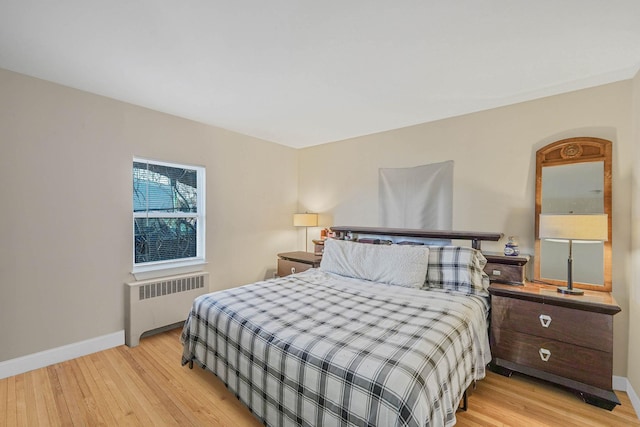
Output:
x,y
565,339
297,262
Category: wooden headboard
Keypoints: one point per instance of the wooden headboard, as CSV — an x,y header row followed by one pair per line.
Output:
x,y
475,237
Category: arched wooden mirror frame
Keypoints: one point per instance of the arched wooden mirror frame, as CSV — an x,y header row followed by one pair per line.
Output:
x,y
571,151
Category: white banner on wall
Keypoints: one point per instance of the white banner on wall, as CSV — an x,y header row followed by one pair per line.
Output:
x,y
420,197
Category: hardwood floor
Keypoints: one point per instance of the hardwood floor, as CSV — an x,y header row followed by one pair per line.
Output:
x,y
146,386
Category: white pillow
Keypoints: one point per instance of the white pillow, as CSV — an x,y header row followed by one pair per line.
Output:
x,y
399,265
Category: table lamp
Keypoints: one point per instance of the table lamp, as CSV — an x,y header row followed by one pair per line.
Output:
x,y
305,220
587,227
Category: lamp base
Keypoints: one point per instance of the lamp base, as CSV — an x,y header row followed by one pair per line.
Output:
x,y
571,291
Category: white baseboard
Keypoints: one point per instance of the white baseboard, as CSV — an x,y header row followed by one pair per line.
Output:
x,y
33,361
623,384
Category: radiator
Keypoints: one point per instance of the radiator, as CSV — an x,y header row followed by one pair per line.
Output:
x,y
152,304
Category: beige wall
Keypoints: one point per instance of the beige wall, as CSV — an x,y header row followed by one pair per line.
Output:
x,y
65,207
494,155
633,370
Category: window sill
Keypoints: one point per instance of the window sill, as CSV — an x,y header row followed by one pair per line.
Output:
x,y
158,270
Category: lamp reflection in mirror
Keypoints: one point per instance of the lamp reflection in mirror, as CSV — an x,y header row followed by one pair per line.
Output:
x,y
305,220
570,227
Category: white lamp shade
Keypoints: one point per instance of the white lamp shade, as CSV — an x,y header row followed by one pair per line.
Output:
x,y
574,227
305,220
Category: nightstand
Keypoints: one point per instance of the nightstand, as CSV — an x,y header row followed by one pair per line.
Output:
x,y
296,262
564,339
506,269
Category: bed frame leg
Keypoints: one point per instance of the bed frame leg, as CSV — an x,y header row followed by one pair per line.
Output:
x,y
465,402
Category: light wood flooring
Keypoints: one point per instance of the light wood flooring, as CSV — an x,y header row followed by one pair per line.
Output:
x,y
146,386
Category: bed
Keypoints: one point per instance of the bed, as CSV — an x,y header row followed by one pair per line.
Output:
x,y
353,342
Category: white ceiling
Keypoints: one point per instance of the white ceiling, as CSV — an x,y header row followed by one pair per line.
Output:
x,y
302,73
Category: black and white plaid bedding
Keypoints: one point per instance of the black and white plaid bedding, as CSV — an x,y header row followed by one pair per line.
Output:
x,y
317,349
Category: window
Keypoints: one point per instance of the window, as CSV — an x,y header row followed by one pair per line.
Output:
x,y
168,215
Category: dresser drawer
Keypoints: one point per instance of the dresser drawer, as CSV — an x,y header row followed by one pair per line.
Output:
x,y
505,269
286,267
581,364
587,329
504,273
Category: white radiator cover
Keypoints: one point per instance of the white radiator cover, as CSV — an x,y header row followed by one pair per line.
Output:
x,y
152,304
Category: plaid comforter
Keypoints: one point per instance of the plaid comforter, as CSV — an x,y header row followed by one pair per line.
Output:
x,y
317,349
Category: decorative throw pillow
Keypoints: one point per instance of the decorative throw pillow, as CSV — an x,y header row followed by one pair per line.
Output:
x,y
457,269
392,264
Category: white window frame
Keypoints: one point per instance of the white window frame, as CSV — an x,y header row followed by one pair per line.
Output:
x,y
149,270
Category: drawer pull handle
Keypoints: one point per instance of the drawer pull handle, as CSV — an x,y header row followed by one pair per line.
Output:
x,y
544,354
545,320
293,270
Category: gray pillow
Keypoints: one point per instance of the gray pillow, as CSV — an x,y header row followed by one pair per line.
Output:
x,y
391,264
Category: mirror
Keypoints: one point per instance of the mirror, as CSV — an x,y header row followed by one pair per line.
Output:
x,y
573,176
